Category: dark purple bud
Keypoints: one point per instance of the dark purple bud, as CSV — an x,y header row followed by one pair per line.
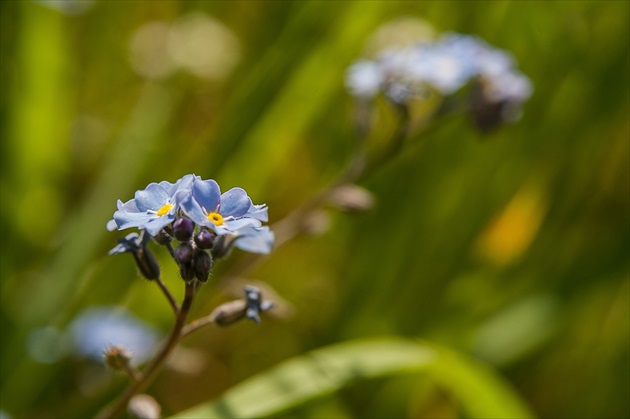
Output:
x,y
162,237
184,253
147,263
487,114
183,229
203,265
204,239
187,271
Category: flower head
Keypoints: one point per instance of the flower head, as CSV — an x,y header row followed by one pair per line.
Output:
x,y
222,213
152,208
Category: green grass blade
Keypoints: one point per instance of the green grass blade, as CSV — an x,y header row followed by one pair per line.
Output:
x,y
324,371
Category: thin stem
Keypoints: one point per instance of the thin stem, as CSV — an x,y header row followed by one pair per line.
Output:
x,y
133,372
196,324
148,374
168,296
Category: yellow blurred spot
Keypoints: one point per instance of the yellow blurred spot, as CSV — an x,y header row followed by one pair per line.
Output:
x,y
511,231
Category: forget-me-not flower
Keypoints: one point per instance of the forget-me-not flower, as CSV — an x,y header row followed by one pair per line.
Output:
x,y
154,207
222,213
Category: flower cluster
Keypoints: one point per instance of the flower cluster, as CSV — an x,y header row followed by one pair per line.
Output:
x,y
206,222
443,67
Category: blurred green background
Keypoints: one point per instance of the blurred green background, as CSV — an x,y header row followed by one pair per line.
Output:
x,y
511,248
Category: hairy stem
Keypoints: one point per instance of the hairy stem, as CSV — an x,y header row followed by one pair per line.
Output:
x,y
148,374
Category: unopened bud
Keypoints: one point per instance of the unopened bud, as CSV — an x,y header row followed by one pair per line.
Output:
x,y
351,198
183,229
162,237
116,357
229,313
142,406
184,253
222,246
187,271
204,239
203,265
147,263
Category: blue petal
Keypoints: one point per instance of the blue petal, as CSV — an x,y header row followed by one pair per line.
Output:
x,y
193,210
234,225
207,194
112,225
131,219
235,203
255,240
258,212
183,183
127,206
154,226
152,198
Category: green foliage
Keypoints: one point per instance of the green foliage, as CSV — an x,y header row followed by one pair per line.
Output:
x,y
511,248
324,371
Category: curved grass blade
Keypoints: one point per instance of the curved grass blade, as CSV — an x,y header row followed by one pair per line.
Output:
x,y
321,372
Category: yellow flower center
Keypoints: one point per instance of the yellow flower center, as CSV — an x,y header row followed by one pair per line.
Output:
x,y
164,210
216,218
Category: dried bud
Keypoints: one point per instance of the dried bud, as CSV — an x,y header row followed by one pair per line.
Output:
x,y
183,229
203,265
147,263
142,406
204,239
184,253
351,198
229,313
116,357
255,303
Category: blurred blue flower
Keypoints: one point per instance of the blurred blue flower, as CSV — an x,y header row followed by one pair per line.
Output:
x,y
152,208
364,78
255,239
222,213
443,66
96,329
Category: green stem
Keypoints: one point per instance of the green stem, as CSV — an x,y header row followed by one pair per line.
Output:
x,y
148,374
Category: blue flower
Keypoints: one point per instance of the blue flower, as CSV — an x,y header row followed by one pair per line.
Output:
x,y
222,213
97,328
153,208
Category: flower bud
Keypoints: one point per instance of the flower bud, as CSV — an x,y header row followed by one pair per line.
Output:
x,y
204,239
163,237
142,406
203,265
229,313
187,271
184,253
147,263
222,246
351,198
183,229
116,357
